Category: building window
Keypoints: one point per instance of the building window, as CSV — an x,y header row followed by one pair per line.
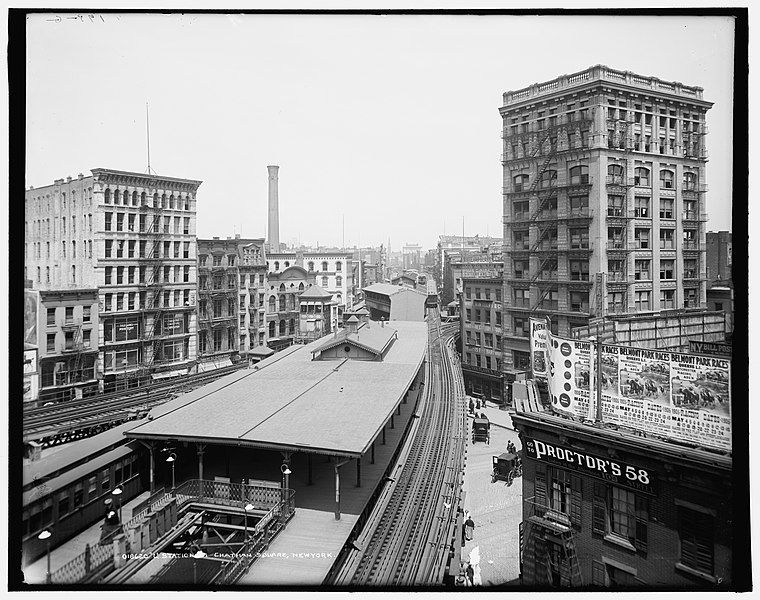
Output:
x,y
615,173
311,265
641,207
689,238
615,237
690,208
666,239
521,360
324,282
468,315
667,299
641,300
579,205
51,343
641,236
666,208
615,302
579,175
579,238
696,531
338,281
689,181
667,269
520,211
642,270
641,177
579,302
667,179
579,270
51,316
690,268
324,266
520,182
548,178
521,327
522,268
522,298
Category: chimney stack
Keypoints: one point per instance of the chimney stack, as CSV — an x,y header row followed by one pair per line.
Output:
x,y
273,230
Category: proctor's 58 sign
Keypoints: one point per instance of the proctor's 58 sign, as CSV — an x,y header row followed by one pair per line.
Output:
x,y
607,469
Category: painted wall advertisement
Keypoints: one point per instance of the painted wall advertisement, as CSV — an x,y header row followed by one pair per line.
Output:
x,y
669,394
31,375
538,348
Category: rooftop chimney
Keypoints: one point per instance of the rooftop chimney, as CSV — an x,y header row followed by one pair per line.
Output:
x,y
273,229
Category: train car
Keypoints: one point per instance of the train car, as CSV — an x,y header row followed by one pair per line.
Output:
x,y
65,490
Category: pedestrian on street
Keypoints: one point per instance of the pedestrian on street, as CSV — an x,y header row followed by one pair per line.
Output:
x,y
472,406
469,527
470,575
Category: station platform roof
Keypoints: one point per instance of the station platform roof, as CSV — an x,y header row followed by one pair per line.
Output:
x,y
289,402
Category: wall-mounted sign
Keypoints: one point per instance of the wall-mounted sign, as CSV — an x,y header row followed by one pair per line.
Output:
x,y
607,469
538,347
698,347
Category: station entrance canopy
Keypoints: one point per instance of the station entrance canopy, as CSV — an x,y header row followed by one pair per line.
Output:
x,y
289,402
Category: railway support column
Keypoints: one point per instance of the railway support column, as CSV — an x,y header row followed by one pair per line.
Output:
x,y
337,464
149,446
200,449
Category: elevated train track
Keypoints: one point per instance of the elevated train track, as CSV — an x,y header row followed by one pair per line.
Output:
x,y
62,422
412,536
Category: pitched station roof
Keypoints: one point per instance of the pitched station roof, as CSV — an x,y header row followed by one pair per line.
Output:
x,y
291,402
375,339
389,290
315,292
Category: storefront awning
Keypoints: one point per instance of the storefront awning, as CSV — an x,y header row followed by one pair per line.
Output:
x,y
210,365
168,374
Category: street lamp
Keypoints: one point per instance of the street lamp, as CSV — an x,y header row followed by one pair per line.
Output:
x,y
246,508
117,492
45,535
172,459
197,555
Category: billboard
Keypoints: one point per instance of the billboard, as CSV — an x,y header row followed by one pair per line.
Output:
x,y
538,348
677,396
31,303
31,377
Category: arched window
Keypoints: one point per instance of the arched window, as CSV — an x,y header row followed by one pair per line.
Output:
x,y
171,201
291,326
324,265
579,175
338,266
134,198
614,173
667,179
282,327
47,275
520,182
287,264
300,287
73,274
73,249
339,298
272,304
73,199
163,200
107,196
324,282
548,178
155,200
142,199
282,287
311,265
641,177
282,303
338,281
272,332
277,265
125,198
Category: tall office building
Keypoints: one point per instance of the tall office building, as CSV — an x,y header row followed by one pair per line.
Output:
x,y
604,205
131,236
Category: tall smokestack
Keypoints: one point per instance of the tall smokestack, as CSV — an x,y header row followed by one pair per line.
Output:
x,y
273,231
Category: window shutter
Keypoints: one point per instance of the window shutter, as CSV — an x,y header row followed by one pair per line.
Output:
x,y
599,516
642,520
598,573
576,504
540,489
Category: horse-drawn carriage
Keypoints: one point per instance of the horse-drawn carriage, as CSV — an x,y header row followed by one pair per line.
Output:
x,y
481,430
506,467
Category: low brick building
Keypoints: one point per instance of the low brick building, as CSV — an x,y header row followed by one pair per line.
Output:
x,y
612,509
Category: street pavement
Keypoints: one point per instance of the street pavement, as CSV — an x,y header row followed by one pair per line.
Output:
x,y
496,508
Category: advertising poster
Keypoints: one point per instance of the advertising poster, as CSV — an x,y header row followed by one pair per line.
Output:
x,y
570,375
538,348
31,300
676,396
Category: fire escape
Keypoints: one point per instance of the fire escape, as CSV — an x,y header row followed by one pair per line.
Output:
x,y
218,287
547,548
152,262
620,183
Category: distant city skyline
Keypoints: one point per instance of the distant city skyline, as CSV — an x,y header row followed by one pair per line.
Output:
x,y
400,135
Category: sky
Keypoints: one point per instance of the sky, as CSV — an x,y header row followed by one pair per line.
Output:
x,y
389,124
